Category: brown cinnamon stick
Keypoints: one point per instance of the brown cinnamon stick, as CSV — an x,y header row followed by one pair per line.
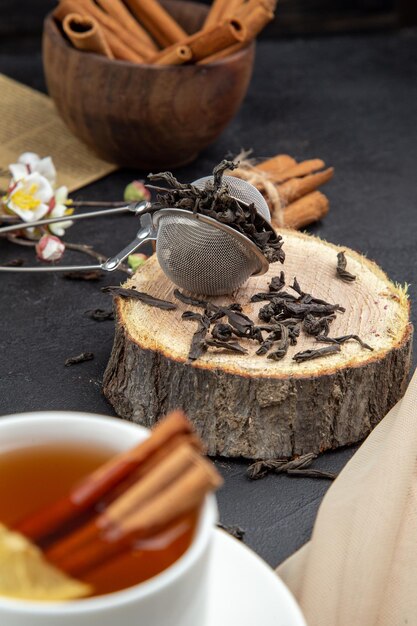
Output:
x,y
294,188
85,34
92,488
180,497
118,11
277,164
307,210
162,474
174,55
216,13
157,21
206,42
299,169
138,49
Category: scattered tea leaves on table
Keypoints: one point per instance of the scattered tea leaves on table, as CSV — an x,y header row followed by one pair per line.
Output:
x,y
294,467
80,358
277,283
189,300
92,275
142,296
235,531
101,315
341,270
222,332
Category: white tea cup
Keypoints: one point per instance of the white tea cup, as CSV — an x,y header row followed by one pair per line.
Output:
x,y
175,597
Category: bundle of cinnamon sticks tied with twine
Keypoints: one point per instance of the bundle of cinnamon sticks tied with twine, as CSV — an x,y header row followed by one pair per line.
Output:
x,y
290,188
135,495
142,31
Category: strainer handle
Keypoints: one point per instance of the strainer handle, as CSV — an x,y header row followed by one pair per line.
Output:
x,y
146,233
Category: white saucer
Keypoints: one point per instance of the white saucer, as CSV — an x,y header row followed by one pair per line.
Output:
x,y
245,591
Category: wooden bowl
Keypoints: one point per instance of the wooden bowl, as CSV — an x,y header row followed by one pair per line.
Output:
x,y
142,115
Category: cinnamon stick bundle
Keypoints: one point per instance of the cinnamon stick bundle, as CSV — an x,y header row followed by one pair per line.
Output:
x,y
295,188
219,10
157,21
85,34
308,209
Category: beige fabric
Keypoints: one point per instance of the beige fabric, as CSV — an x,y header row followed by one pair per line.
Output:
x,y
360,567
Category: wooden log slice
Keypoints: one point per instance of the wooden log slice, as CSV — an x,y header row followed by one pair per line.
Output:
x,y
248,405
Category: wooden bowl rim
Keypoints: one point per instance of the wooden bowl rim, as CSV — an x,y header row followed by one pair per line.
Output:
x,y
49,22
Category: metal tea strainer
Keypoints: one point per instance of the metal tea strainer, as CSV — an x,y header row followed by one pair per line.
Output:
x,y
198,253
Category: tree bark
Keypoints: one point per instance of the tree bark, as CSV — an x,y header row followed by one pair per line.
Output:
x,y
247,405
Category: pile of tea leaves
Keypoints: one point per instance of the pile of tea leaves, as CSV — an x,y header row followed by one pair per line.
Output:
x,y
281,321
216,202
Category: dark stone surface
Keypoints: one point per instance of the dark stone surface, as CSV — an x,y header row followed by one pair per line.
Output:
x,y
350,100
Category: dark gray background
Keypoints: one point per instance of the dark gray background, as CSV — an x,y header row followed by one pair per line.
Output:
x,y
350,99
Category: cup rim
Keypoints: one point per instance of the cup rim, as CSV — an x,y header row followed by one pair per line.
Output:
x,y
140,591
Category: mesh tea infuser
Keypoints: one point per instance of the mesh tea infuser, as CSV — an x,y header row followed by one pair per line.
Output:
x,y
198,253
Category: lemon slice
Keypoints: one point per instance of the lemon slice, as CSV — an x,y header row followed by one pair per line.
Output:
x,y
26,574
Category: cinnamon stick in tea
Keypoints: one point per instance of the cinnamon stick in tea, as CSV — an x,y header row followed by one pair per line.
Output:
x,y
85,34
157,21
206,42
99,483
161,476
118,11
182,496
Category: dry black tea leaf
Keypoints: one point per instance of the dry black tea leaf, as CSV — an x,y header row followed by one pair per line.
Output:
x,y
223,332
308,355
235,531
14,263
101,315
142,296
341,270
340,340
198,341
232,346
93,275
189,300
277,282
80,358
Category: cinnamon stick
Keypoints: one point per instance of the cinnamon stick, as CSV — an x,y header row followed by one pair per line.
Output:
x,y
97,484
174,55
215,13
308,209
179,498
162,475
157,21
294,188
118,11
277,164
206,42
137,48
85,34
299,169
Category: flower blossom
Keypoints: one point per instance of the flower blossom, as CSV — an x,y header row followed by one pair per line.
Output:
x,y
29,163
59,208
29,197
49,248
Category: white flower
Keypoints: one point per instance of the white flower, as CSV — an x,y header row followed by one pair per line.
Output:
x,y
29,163
59,209
50,248
29,198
